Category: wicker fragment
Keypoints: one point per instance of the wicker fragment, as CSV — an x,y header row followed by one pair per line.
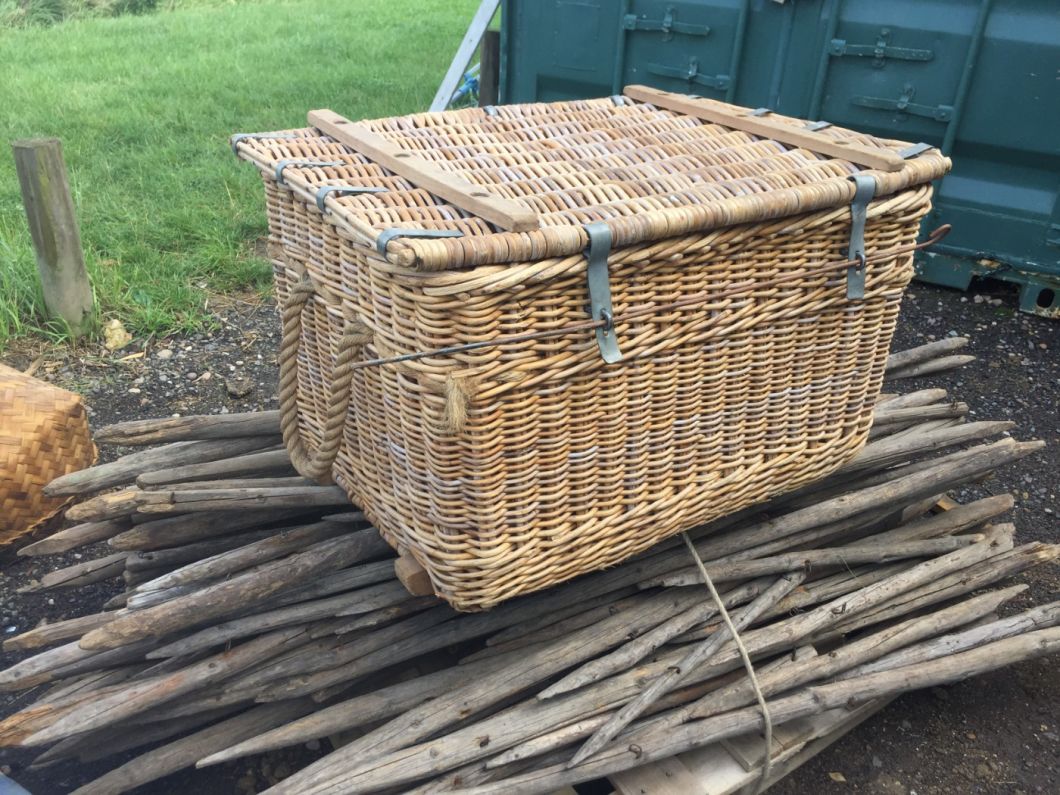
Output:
x,y
43,434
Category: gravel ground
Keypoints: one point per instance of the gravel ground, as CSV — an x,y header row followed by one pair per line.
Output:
x,y
996,734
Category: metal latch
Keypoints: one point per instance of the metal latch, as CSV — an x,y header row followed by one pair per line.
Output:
x,y
342,190
914,151
691,74
282,164
865,187
905,104
668,26
599,282
235,139
880,51
389,234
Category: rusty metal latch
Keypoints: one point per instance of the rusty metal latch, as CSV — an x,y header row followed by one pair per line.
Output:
x,y
599,283
865,188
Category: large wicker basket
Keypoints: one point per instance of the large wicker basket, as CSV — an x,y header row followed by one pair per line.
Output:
x,y
460,390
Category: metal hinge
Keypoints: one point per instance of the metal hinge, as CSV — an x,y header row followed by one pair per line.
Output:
x,y
905,104
691,74
668,26
599,282
277,172
865,188
342,190
389,234
880,51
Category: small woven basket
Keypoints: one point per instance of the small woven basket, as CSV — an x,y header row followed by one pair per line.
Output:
x,y
43,434
439,362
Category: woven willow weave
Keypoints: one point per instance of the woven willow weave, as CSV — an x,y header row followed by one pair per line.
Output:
x,y
43,434
507,469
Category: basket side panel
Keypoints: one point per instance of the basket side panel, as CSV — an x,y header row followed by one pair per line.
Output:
x,y
563,464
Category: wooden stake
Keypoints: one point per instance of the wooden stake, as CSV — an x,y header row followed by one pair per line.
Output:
x,y
53,228
197,427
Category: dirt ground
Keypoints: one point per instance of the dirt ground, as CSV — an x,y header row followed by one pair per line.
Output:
x,y
996,734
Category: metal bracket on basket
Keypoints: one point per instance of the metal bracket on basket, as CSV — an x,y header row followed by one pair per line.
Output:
x,y
282,164
599,281
489,110
814,126
342,190
235,139
761,111
389,234
914,151
863,193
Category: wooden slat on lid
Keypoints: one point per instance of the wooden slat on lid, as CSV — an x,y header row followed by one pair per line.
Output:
x,y
502,212
719,113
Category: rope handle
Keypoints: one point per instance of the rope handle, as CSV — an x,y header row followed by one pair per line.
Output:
x,y
315,465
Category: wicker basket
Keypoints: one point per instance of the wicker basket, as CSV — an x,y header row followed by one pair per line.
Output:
x,y
43,434
510,439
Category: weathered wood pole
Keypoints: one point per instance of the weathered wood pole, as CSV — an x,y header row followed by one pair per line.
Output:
x,y
53,226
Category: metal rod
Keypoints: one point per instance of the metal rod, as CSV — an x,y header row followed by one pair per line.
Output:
x,y
825,61
737,49
966,76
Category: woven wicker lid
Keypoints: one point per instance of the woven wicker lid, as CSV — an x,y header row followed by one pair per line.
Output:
x,y
517,183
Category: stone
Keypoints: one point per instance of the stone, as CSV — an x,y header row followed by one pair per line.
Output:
x,y
115,336
239,387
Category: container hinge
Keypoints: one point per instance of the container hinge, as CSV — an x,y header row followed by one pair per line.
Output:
x,y
389,234
814,126
880,51
905,104
668,26
865,187
599,282
235,139
282,164
914,151
342,190
691,74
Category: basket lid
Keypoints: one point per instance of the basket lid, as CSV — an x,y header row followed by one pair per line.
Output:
x,y
516,183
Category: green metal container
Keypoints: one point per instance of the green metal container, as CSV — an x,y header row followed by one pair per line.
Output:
x,y
979,78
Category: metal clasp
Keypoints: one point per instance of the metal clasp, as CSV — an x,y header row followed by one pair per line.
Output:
x,y
865,188
342,190
282,164
389,234
598,279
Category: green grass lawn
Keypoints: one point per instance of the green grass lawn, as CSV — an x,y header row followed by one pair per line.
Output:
x,y
144,106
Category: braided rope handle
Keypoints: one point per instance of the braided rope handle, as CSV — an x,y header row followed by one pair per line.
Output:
x,y
315,465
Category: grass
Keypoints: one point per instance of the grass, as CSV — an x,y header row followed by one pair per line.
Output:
x,y
144,105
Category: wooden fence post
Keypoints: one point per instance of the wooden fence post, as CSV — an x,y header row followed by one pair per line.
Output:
x,y
53,226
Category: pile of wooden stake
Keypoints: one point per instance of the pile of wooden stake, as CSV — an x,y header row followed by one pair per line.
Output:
x,y
261,611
